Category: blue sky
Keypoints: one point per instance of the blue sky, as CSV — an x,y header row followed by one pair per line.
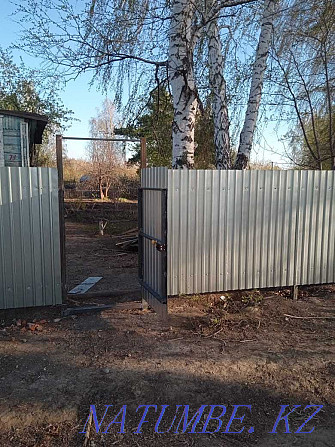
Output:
x,y
77,96
84,100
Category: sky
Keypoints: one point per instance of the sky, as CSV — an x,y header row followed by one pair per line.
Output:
x,y
84,100
78,96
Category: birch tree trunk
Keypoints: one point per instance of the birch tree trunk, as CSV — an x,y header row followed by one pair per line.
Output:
x,y
181,78
262,52
219,104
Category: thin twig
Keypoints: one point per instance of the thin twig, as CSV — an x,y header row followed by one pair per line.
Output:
x,y
87,434
309,318
215,333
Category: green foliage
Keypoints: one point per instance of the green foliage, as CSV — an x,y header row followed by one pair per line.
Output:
x,y
155,124
318,138
252,298
23,89
204,157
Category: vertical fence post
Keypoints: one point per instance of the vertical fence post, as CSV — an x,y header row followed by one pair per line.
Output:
x,y
143,152
59,155
295,293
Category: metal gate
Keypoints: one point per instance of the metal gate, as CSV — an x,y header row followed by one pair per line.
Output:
x,y
152,217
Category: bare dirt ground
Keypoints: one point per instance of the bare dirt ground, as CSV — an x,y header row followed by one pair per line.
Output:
x,y
241,349
89,254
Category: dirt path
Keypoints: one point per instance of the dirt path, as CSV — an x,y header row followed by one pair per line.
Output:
x,y
89,254
206,354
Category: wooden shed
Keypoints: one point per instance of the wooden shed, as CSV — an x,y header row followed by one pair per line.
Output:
x,y
19,132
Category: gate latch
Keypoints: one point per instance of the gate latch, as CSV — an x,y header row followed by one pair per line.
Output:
x,y
159,247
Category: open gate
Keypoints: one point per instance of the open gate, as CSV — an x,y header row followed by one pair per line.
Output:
x,y
152,216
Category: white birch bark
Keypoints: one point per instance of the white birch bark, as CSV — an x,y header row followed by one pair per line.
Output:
x,y
262,52
219,104
181,78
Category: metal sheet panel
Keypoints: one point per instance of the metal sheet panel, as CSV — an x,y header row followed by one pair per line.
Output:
x,y
2,154
29,238
230,230
152,207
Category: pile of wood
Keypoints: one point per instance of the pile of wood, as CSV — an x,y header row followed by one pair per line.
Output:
x,y
129,240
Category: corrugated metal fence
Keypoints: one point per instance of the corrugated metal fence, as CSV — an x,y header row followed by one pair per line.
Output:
x,y
230,230
29,238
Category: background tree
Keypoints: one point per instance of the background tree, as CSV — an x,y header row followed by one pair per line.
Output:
x,y
23,89
205,150
105,156
302,153
305,81
154,123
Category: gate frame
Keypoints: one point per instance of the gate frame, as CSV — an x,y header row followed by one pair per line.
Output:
x,y
59,157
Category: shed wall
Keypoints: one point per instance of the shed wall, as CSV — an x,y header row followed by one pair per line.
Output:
x,y
14,144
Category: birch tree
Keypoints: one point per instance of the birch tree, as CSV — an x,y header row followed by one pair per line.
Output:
x,y
260,65
132,43
219,104
182,82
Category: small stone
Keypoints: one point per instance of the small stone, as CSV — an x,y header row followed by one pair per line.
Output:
x,y
106,370
42,321
57,320
24,340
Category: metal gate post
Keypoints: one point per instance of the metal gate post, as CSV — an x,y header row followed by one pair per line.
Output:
x,y
140,244
164,239
59,154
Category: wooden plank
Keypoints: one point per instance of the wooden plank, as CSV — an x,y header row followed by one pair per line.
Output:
x,y
103,294
85,285
295,293
116,306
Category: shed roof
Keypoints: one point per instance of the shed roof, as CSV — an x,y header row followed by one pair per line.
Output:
x,y
39,122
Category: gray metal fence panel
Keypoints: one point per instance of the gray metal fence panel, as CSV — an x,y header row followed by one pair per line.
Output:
x,y
236,230
29,238
232,230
